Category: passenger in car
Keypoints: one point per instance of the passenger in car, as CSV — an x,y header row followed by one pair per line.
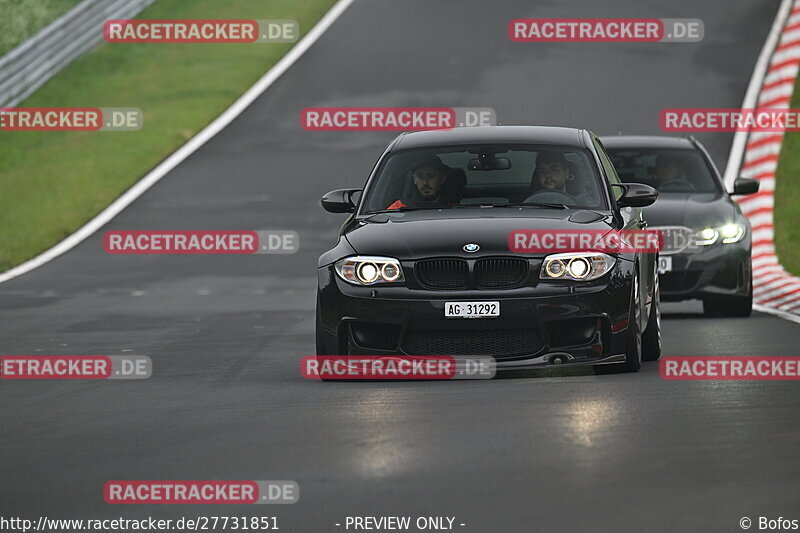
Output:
x,y
554,173
551,173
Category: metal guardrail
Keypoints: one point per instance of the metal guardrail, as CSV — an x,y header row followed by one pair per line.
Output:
x,y
28,66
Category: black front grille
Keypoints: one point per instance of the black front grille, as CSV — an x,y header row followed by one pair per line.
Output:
x,y
443,273
499,343
501,272
678,281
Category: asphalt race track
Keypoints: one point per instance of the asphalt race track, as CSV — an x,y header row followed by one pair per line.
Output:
x,y
552,452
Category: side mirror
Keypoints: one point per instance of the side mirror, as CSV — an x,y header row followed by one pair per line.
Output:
x,y
636,195
745,186
340,200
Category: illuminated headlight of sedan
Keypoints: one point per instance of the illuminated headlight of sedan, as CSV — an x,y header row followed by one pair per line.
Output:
x,y
729,233
706,237
732,233
369,270
579,266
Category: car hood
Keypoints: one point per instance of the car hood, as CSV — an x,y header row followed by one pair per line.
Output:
x,y
694,210
417,234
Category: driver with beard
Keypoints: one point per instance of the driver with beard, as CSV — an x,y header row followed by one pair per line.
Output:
x,y
552,172
428,176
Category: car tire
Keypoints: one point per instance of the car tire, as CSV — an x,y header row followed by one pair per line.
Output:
x,y
651,340
732,306
633,341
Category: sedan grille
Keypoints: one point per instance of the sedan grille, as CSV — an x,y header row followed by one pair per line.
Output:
x,y
675,238
501,272
499,343
443,273
678,281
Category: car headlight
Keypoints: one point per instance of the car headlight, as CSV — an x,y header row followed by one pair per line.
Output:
x,y
577,266
706,237
732,233
729,233
369,270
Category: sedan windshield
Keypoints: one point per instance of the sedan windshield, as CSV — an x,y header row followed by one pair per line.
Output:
x,y
543,177
668,170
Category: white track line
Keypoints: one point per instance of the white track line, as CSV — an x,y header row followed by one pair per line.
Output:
x,y
187,149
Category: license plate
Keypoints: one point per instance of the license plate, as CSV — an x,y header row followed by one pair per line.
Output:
x,y
471,309
664,265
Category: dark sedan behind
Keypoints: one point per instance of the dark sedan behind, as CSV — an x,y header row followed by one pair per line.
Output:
x,y
707,239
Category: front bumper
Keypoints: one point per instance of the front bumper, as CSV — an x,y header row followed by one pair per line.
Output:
x,y
720,269
546,323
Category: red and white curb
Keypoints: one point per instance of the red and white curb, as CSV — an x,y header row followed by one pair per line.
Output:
x,y
773,287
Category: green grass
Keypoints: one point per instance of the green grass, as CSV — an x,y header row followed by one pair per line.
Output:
x,y
22,18
787,198
54,182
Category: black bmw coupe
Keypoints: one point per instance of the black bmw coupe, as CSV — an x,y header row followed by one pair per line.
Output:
x,y
423,265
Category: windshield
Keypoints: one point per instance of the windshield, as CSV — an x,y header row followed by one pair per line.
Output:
x,y
668,170
491,175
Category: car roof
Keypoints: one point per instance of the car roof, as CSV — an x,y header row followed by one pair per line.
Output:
x,y
646,141
491,135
